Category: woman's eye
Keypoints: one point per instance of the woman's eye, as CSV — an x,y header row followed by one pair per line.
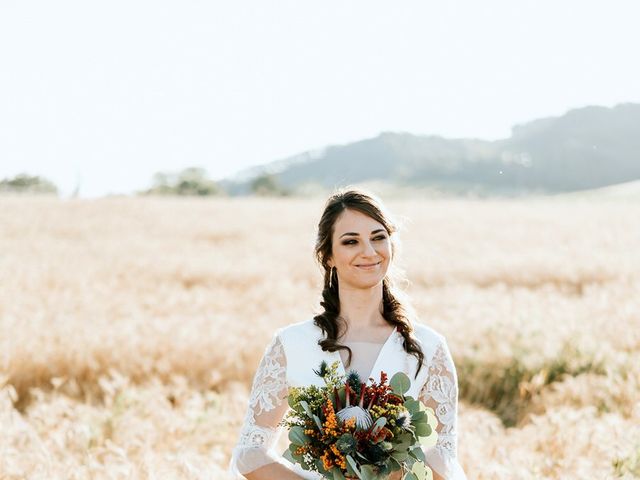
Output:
x,y
353,242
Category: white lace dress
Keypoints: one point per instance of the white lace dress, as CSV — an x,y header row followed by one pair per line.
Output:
x,y
289,360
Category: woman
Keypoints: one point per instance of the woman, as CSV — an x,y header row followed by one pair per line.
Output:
x,y
365,327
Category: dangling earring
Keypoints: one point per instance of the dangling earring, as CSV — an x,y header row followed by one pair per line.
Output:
x,y
330,276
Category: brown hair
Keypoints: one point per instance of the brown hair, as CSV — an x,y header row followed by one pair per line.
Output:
x,y
394,311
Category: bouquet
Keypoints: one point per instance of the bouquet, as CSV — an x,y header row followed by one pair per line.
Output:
x,y
348,429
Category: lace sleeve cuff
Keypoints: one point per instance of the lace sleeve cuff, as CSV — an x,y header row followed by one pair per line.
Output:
x,y
440,392
267,406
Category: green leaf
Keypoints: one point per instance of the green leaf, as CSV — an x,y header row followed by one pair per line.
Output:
x,y
395,465
400,383
403,441
368,473
318,423
321,469
410,476
418,454
423,429
337,474
287,454
431,438
354,466
412,405
418,417
305,407
297,435
421,471
400,456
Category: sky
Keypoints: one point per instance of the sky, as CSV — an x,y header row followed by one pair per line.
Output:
x,y
101,95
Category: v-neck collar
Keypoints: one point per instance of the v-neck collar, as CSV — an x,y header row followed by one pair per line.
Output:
x,y
374,369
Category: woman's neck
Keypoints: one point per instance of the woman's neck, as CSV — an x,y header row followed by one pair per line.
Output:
x,y
362,308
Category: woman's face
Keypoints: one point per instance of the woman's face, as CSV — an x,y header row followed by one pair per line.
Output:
x,y
361,250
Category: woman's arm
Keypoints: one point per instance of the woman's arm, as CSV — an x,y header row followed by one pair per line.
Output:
x,y
271,471
253,456
440,392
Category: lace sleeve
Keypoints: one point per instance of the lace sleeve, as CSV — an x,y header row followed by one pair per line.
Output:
x,y
440,392
267,406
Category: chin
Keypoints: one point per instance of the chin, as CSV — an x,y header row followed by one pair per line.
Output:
x,y
369,284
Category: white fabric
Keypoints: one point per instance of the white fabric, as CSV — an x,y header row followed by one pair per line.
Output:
x,y
289,360
363,357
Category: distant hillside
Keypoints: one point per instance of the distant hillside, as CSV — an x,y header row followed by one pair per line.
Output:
x,y
586,148
628,191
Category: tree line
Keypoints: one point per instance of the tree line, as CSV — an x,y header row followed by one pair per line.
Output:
x,y
192,181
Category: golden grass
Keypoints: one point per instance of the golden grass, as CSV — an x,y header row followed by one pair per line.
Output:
x,y
130,328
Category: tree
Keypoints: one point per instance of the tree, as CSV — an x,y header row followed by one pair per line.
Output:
x,y
267,185
190,181
25,183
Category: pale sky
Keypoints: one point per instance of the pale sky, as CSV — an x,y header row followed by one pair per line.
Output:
x,y
107,93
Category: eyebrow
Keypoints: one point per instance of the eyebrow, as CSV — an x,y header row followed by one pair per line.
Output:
x,y
357,234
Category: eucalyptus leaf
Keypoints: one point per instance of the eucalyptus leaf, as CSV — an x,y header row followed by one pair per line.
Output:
x,y
337,474
306,408
419,417
318,423
429,441
297,435
287,454
400,456
400,383
423,430
432,437
320,467
354,466
368,473
403,442
412,405
418,454
419,470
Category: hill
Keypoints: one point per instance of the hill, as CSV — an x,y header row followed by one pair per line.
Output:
x,y
585,148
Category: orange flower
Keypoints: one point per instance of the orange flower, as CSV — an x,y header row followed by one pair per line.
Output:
x,y
340,460
327,463
349,425
331,423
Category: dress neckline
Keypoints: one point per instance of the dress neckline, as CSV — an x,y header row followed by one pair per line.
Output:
x,y
366,343
336,353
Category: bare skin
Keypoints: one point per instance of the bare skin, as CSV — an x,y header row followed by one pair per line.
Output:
x,y
271,471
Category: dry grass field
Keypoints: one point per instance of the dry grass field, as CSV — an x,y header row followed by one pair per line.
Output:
x,y
130,328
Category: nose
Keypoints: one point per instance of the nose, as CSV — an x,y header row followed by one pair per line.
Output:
x,y
369,251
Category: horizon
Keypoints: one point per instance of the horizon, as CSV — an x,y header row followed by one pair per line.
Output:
x,y
229,87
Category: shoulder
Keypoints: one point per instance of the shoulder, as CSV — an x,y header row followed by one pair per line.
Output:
x,y
427,335
305,329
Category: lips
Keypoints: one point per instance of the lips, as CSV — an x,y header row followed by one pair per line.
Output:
x,y
367,265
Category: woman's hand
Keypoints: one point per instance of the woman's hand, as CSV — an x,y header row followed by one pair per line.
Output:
x,y
393,476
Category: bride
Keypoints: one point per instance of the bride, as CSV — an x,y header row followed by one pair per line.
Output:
x,y
363,326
